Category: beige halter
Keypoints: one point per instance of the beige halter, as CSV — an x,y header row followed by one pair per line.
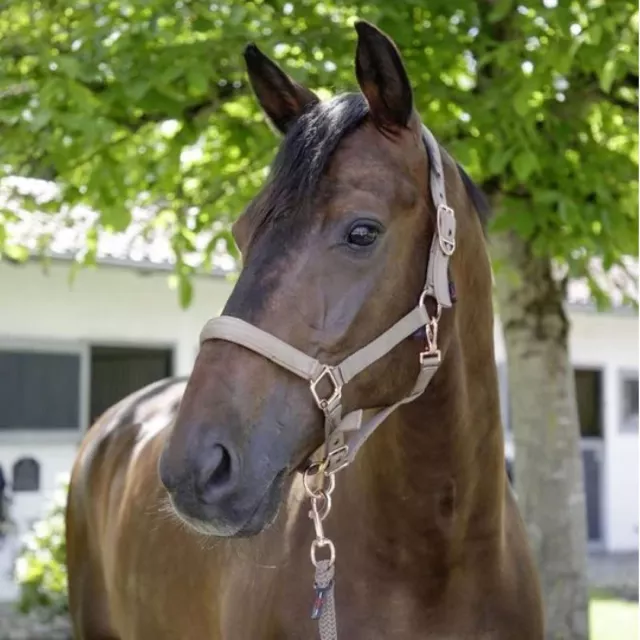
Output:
x,y
344,435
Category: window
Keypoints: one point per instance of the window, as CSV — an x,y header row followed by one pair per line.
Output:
x,y
39,390
26,475
589,399
629,409
117,372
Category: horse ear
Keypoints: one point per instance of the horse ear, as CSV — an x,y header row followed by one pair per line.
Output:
x,y
382,78
282,99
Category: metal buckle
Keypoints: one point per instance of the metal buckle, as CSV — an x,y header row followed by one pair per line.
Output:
x,y
447,243
435,356
337,388
330,469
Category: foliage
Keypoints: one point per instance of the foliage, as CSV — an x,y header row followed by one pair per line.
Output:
x,y
147,102
40,568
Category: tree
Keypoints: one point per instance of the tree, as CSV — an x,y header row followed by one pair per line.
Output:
x,y
125,102
560,202
130,103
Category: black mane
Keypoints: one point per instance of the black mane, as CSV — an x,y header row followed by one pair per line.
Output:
x,y
305,153
478,198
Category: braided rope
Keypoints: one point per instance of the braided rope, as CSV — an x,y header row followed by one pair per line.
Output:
x,y
324,584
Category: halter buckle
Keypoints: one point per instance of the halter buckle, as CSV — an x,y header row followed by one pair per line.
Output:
x,y
430,358
336,460
446,229
323,403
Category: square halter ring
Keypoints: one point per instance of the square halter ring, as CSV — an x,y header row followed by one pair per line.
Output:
x,y
328,373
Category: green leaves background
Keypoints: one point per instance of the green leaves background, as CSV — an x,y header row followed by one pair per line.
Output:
x,y
147,102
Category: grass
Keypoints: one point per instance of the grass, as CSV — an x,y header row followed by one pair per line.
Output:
x,y
612,619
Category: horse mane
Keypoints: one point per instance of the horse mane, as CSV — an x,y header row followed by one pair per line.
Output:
x,y
477,197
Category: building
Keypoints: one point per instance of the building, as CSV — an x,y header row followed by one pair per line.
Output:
x,y
70,350
604,354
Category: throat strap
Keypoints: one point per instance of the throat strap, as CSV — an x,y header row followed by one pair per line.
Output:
x,y
346,434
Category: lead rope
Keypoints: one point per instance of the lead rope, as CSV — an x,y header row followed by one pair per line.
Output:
x,y
324,604
325,598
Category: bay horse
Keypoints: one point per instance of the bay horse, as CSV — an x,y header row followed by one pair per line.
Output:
x,y
187,513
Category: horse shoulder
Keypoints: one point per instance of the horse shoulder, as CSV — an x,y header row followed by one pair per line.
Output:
x,y
104,471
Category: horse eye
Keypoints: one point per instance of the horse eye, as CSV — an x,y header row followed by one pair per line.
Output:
x,y
363,234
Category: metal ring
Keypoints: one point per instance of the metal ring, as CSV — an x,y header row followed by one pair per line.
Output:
x,y
421,303
314,469
323,512
423,297
316,544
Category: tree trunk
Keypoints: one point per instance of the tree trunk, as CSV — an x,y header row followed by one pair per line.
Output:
x,y
548,461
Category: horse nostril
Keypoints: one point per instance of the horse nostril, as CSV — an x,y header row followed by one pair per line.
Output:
x,y
216,473
221,465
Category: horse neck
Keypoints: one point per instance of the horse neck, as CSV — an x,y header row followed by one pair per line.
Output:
x,y
436,467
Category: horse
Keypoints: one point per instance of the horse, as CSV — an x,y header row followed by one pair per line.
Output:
x,y
195,504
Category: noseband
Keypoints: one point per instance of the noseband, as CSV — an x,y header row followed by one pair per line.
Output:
x,y
344,435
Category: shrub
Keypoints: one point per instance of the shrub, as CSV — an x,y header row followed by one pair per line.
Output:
x,y
40,567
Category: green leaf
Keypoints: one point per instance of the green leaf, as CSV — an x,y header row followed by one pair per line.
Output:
x,y
68,65
608,74
198,81
524,164
499,160
500,10
185,290
15,252
595,33
521,102
227,238
137,89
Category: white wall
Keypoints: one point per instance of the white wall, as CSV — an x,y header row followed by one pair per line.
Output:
x,y
608,342
111,304
611,342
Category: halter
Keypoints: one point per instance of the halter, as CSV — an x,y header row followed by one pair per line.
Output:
x,y
345,435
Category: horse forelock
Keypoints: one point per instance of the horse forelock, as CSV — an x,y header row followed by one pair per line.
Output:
x,y
302,160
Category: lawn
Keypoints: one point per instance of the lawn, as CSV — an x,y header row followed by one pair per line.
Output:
x,y
613,619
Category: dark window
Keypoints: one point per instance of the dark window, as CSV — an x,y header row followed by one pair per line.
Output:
x,y
630,403
592,468
26,475
589,399
39,390
118,371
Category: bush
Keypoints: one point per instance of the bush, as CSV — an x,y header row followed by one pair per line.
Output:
x,y
40,568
